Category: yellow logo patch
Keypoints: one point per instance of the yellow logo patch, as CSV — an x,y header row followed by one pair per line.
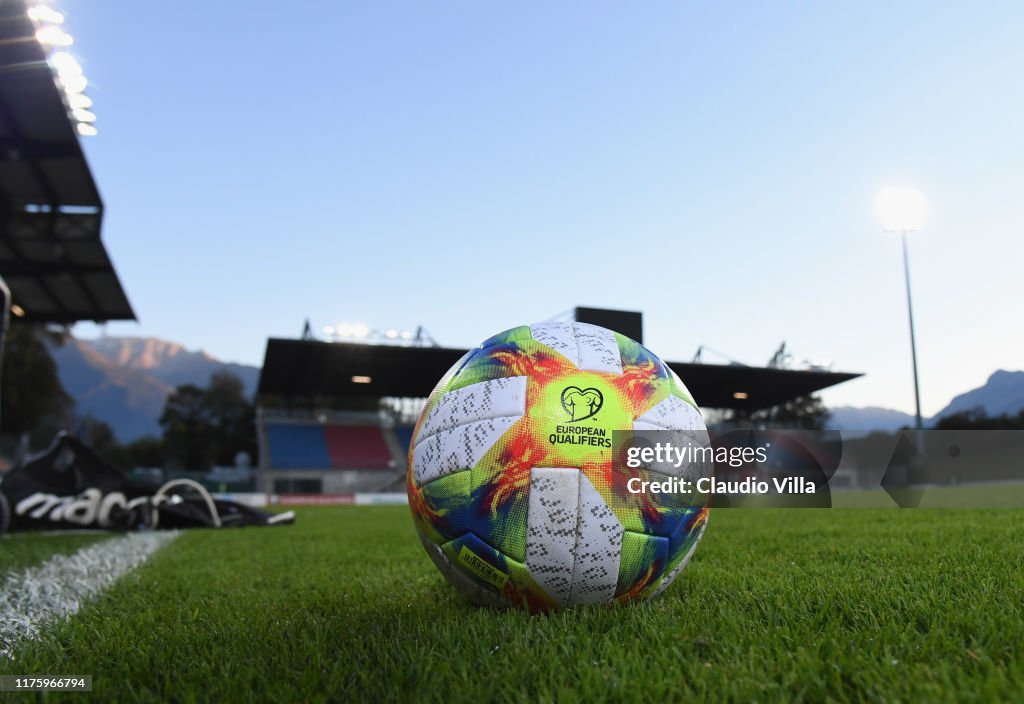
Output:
x,y
481,568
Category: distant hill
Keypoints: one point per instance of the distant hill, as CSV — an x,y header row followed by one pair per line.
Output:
x,y
851,418
1002,393
124,381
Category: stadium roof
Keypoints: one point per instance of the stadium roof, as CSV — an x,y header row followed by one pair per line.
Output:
x,y
51,255
306,369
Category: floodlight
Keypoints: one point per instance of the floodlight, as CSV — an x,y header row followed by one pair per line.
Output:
x,y
54,36
65,63
42,13
73,84
79,100
901,209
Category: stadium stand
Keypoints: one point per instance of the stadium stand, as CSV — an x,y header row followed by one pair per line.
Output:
x,y
404,434
328,451
335,417
309,446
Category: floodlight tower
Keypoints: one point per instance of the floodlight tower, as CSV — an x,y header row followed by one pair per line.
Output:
x,y
903,210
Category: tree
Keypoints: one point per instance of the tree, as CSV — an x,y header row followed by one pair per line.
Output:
x,y
233,417
208,426
99,436
32,399
145,452
188,432
978,419
803,412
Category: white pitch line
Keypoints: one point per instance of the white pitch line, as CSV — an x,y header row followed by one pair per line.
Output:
x,y
35,597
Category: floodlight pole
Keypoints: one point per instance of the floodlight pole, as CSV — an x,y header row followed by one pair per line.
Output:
x,y
913,347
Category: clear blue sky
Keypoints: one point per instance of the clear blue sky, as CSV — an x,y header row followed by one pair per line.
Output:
x,y
473,166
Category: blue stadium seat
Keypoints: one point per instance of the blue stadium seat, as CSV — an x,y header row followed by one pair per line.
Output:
x,y
404,434
297,446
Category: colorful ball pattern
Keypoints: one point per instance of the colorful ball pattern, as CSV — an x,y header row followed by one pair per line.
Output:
x,y
518,483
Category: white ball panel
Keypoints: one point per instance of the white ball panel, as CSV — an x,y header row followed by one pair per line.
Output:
x,y
597,348
496,398
558,336
458,448
551,530
598,548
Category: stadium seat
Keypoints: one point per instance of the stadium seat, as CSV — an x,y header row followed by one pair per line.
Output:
x,y
357,447
404,434
316,446
297,446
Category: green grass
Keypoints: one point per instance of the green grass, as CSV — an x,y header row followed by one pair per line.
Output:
x,y
777,605
24,549
995,495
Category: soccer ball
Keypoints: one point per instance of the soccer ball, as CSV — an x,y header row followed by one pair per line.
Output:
x,y
516,478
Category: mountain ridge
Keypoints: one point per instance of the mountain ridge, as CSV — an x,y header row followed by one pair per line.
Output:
x,y
1002,392
125,381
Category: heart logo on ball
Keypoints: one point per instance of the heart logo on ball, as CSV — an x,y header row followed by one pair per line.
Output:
x,y
581,404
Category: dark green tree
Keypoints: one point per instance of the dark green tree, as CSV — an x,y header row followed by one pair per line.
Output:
x,y
203,427
978,419
32,399
100,437
188,429
145,452
233,417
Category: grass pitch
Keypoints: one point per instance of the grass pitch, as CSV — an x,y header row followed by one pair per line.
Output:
x,y
777,605
28,549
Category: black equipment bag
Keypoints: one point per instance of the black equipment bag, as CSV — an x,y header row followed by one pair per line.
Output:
x,y
70,486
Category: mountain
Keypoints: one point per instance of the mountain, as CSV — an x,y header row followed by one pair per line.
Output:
x,y
169,362
851,418
1002,393
124,381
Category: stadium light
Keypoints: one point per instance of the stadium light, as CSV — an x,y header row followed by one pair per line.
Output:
x,y
73,84
42,13
65,63
367,335
903,210
79,100
67,71
361,379
51,35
